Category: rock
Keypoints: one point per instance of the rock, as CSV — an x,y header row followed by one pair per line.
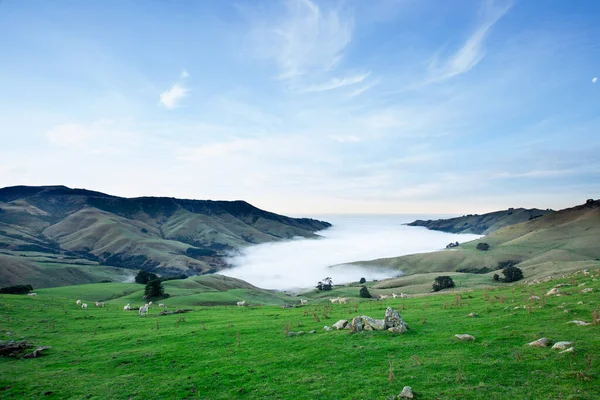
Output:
x,y
375,324
341,324
561,285
299,333
37,352
543,342
534,297
579,323
472,315
313,331
406,393
580,303
327,328
569,350
553,292
398,329
464,337
393,319
588,290
357,324
561,345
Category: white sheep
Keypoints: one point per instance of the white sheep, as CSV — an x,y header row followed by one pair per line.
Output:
x,y
161,305
150,303
99,304
83,306
403,296
342,300
127,307
303,302
78,302
394,295
31,294
144,310
242,303
333,301
383,296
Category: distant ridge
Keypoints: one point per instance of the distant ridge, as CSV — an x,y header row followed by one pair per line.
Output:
x,y
42,226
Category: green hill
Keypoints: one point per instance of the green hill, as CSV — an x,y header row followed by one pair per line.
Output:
x,y
57,226
482,224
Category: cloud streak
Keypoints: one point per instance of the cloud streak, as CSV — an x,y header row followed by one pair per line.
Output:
x,y
172,97
336,83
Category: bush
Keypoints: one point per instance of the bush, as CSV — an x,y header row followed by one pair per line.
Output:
x,y
512,274
364,293
483,246
471,270
144,277
325,284
496,277
505,264
17,289
362,280
442,282
154,289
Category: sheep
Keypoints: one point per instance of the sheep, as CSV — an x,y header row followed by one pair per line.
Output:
x,y
403,296
383,296
78,302
303,302
83,306
342,300
161,305
31,294
144,310
127,307
100,304
394,295
333,301
242,303
150,303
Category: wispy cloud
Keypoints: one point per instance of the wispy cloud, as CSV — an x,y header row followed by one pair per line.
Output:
x,y
184,74
345,138
304,38
336,83
472,51
98,137
170,98
535,174
595,79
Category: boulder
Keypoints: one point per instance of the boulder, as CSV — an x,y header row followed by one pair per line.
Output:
x,y
543,342
561,345
37,352
579,323
375,324
313,331
569,350
553,292
299,333
357,324
341,324
327,328
534,297
398,329
393,319
588,290
473,315
464,337
406,393
580,303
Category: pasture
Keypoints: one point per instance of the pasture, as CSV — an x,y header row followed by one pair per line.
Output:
x,y
225,352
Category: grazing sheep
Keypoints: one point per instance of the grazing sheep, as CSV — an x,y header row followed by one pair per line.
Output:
x,y
242,303
403,296
342,300
161,305
127,307
78,302
144,310
83,306
383,296
394,295
333,301
150,303
100,304
303,302
31,294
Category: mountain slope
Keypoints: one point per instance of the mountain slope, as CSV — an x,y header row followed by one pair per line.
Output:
x,y
56,224
570,235
482,224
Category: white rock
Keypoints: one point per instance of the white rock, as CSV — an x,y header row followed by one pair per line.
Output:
x,y
407,393
465,337
579,323
543,342
580,303
327,328
341,324
569,350
561,345
588,290
553,292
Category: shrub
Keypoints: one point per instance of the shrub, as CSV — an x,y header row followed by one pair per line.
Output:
x,y
483,246
496,277
154,289
471,270
17,289
325,284
362,280
144,277
442,282
507,263
364,293
512,274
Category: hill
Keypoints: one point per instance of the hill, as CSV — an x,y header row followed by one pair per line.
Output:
x,y
553,242
482,224
53,226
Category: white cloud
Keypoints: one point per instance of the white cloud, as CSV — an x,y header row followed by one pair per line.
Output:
x,y
303,39
184,74
535,173
595,79
170,98
336,83
98,137
472,51
345,138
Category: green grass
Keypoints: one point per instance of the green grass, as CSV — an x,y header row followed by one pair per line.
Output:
x,y
227,352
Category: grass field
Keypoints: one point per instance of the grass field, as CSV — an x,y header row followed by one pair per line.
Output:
x,y
226,352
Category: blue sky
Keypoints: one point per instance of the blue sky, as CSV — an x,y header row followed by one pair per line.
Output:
x,y
305,106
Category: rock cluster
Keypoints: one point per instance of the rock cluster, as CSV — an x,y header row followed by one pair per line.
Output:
x,y
391,322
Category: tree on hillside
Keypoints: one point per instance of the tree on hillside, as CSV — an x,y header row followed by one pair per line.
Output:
x,y
364,293
512,274
325,284
483,246
442,282
362,280
144,277
496,277
154,289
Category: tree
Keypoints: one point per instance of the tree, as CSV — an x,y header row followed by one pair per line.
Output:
x,y
362,280
442,282
325,284
483,246
496,278
17,289
154,289
144,277
364,293
512,274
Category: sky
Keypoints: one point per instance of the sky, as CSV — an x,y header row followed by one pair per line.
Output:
x,y
305,106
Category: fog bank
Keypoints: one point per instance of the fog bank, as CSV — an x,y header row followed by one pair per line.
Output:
x,y
301,263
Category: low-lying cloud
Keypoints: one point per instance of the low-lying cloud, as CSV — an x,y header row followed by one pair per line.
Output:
x,y
301,263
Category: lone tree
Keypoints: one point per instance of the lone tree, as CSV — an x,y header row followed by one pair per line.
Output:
x,y
442,282
144,277
496,277
325,284
512,274
362,280
154,289
364,293
483,246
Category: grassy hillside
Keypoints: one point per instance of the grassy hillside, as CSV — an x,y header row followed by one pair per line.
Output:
x,y
163,234
227,352
567,236
482,224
